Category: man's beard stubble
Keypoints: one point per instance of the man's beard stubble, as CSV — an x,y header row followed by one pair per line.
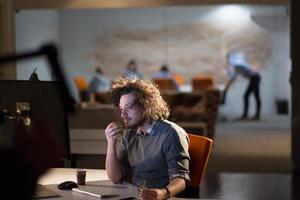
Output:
x,y
137,124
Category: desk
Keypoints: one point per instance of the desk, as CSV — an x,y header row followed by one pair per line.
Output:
x,y
93,178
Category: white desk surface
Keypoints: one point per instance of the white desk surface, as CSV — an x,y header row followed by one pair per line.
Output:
x,y
58,175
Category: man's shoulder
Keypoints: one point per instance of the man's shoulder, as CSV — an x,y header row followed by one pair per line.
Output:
x,y
172,133
170,126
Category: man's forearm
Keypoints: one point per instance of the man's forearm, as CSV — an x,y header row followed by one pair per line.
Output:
x,y
112,165
176,186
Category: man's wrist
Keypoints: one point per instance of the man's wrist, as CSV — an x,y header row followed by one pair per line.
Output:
x,y
168,194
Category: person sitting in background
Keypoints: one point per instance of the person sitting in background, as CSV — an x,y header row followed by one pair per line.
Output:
x,y
164,72
152,152
131,71
99,83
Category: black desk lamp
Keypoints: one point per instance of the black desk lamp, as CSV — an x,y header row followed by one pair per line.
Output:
x,y
50,51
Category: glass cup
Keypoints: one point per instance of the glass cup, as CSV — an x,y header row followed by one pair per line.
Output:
x,y
81,175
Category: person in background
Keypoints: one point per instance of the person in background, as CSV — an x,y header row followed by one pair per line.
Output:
x,y
131,71
239,66
151,152
164,72
99,83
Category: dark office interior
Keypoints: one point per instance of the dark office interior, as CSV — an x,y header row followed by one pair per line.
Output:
x,y
252,159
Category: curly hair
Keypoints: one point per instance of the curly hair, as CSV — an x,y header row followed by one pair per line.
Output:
x,y
146,93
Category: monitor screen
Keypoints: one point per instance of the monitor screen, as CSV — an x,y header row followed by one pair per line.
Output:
x,y
40,100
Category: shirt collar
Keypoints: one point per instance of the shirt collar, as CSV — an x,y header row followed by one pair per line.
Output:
x,y
148,131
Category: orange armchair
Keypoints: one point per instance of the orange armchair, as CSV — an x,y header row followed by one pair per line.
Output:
x,y
165,84
82,87
202,82
81,83
199,150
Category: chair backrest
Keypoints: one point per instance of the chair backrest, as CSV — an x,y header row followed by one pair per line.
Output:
x,y
82,88
179,79
81,83
199,150
165,83
202,82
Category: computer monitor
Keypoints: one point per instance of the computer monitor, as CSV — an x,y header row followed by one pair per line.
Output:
x,y
41,100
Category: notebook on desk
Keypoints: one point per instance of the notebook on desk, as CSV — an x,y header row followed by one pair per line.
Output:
x,y
42,192
94,191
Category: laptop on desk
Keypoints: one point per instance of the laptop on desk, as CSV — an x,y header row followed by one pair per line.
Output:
x,y
108,191
95,192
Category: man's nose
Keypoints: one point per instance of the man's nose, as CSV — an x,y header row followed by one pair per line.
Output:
x,y
123,113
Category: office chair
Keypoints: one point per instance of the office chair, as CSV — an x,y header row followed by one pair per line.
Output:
x,y
80,83
199,150
202,82
165,84
179,79
82,88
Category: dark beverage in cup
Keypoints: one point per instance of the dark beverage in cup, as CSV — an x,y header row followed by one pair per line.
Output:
x,y
81,175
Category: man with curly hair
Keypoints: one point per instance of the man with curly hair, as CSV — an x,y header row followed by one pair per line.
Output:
x,y
151,152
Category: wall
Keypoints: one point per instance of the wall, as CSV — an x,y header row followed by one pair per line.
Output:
x,y
192,40
33,29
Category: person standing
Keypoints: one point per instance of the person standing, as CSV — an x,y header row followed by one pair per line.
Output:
x,y
239,66
151,152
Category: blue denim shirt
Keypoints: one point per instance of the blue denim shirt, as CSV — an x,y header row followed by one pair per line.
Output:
x,y
156,158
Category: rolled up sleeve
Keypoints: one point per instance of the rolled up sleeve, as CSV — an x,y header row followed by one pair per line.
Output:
x,y
177,156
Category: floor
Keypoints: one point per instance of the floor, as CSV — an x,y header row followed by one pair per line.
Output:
x,y
247,186
252,146
251,161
